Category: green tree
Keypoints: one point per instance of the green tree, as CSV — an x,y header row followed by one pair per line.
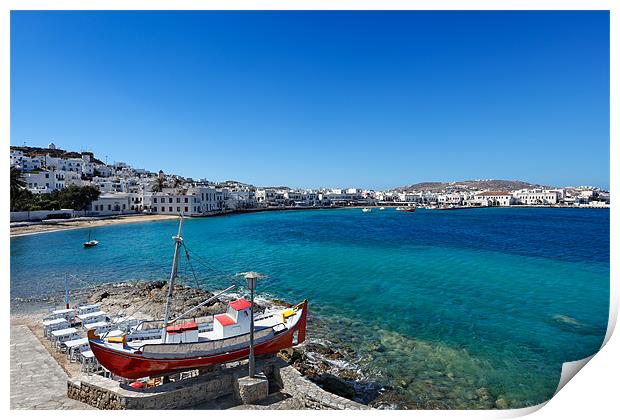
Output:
x,y
74,197
17,183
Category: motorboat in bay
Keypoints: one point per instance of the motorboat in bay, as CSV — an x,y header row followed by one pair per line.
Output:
x,y
366,210
182,345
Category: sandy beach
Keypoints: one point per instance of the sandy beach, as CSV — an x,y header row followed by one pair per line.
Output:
x,y
54,226
85,223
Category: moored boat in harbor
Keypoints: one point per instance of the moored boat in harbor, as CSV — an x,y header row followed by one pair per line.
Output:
x,y
91,242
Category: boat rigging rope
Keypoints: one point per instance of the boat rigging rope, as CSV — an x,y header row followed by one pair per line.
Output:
x,y
209,266
191,267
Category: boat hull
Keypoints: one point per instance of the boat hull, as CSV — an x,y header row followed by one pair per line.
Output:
x,y
135,365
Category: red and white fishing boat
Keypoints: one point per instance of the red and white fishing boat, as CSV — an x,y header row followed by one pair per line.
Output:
x,y
183,347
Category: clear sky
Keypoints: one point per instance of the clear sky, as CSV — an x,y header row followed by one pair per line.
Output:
x,y
320,99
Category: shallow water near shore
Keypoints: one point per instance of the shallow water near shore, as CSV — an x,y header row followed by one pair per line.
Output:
x,y
457,309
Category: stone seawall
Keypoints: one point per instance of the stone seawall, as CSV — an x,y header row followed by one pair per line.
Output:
x,y
311,395
108,394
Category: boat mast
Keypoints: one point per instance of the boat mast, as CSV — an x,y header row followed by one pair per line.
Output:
x,y
66,292
178,241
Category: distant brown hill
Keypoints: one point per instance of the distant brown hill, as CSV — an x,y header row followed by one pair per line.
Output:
x,y
470,185
57,153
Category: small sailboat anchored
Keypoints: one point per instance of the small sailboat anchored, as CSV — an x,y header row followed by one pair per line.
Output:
x,y
183,347
366,210
91,242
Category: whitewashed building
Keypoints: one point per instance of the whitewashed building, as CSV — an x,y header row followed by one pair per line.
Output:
x,y
44,182
271,197
453,199
241,199
172,203
492,198
110,204
103,171
537,197
27,163
16,157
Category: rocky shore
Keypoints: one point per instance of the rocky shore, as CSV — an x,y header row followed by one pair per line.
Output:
x,y
332,368
350,363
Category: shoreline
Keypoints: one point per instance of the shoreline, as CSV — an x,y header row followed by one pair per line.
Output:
x,y
50,226
33,228
81,223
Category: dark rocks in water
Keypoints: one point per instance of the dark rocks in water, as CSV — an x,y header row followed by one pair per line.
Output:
x,y
323,350
436,405
392,399
377,347
290,355
501,403
366,392
342,353
567,323
333,370
335,385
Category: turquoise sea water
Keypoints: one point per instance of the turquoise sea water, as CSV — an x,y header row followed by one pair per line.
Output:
x,y
460,307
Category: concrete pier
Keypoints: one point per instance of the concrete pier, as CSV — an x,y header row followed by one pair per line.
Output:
x,y
37,381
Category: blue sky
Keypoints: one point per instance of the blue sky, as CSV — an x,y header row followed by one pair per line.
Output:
x,y
320,99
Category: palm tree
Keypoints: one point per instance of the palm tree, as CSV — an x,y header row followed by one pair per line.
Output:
x,y
18,190
17,183
160,184
177,184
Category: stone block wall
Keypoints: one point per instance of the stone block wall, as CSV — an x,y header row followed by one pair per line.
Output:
x,y
313,396
107,394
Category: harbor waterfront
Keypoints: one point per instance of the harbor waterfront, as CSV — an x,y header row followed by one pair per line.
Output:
x,y
473,309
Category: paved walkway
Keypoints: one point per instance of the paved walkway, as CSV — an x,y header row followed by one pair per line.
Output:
x,y
37,381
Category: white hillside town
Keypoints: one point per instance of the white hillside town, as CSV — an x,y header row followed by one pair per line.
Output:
x,y
127,190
